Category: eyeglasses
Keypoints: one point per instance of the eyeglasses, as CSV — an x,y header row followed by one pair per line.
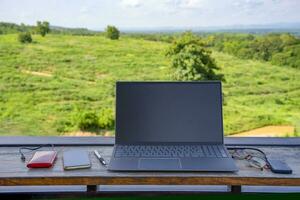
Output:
x,y
254,160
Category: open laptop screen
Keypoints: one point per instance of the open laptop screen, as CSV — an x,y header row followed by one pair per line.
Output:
x,y
169,112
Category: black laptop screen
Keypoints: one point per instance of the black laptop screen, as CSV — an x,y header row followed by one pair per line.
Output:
x,y
169,112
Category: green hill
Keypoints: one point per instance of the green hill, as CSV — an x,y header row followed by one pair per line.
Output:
x,y
9,28
46,84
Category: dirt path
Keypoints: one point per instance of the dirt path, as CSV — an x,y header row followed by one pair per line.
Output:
x,y
86,133
268,131
46,74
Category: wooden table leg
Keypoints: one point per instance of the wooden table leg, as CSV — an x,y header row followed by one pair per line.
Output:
x,y
236,189
91,188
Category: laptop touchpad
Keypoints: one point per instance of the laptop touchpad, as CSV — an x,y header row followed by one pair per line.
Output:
x,y
159,163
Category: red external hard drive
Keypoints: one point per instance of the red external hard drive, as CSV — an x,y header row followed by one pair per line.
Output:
x,y
42,159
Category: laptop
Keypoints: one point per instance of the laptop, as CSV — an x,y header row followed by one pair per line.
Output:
x,y
170,126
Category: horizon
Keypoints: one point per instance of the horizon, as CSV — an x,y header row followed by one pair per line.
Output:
x,y
236,27
152,14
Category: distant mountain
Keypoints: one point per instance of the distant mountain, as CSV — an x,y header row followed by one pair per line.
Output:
x,y
295,25
7,27
255,28
74,31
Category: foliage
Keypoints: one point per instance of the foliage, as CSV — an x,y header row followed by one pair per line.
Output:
x,y
106,119
88,121
191,60
112,32
73,31
64,126
280,49
92,121
25,37
42,28
290,56
157,37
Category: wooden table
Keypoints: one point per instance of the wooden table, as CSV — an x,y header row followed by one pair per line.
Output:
x,y
13,172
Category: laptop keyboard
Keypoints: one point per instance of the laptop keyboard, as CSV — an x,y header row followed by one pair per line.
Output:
x,y
181,151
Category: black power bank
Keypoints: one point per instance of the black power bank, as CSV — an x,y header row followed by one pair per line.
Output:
x,y
279,167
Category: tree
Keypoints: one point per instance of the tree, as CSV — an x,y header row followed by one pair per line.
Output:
x,y
112,32
25,37
288,39
23,27
42,27
191,60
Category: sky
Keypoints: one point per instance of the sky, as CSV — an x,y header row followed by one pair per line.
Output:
x,y
96,14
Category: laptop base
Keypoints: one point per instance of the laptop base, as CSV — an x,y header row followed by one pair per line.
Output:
x,y
173,164
120,161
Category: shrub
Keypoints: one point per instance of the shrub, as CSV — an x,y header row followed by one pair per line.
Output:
x,y
63,126
25,37
191,60
112,32
88,121
106,119
91,121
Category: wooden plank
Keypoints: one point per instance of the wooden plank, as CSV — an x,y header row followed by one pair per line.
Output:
x,y
99,140
14,172
147,181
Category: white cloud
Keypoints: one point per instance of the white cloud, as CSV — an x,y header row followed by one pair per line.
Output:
x,y
184,4
247,4
193,4
131,3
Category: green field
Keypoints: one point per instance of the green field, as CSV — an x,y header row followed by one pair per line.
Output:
x,y
43,85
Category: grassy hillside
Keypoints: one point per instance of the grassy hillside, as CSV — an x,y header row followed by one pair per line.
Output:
x,y
259,94
43,85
